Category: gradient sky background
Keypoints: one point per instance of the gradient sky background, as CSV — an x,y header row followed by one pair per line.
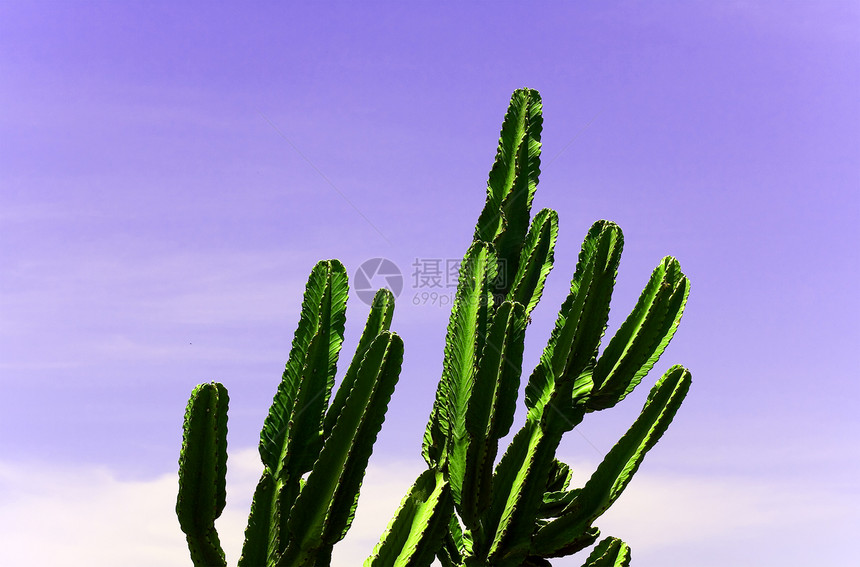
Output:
x,y
170,175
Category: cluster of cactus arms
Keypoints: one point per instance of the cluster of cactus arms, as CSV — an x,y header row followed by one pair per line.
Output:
x,y
314,452
465,509
468,508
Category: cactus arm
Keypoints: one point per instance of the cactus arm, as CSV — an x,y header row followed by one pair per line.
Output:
x,y
562,382
536,260
202,472
643,336
324,509
323,312
304,437
467,328
518,484
418,526
433,442
266,534
470,324
291,438
520,133
449,555
379,320
557,496
501,366
575,543
560,476
610,552
512,183
554,502
509,475
255,549
454,546
619,465
303,445
221,455
491,408
562,377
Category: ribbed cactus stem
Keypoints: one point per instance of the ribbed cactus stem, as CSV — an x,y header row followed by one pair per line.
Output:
x,y
202,472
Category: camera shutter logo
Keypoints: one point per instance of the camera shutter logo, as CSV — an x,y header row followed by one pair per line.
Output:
x,y
376,273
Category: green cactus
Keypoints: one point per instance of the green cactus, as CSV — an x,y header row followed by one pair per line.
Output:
x,y
521,512
202,472
315,454
465,509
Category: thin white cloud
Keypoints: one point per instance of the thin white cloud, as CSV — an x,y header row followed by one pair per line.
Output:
x,y
672,519
86,516
382,489
78,310
79,516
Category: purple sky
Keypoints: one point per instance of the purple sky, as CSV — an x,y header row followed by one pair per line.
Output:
x,y
169,176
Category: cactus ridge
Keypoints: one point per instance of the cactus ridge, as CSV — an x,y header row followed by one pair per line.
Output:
x,y
610,552
468,508
419,525
537,260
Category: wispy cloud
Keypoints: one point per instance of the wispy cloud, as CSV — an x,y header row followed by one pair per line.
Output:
x,y
674,519
109,305
383,487
86,516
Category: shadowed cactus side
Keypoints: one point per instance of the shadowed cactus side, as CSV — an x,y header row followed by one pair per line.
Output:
x,y
469,508
521,511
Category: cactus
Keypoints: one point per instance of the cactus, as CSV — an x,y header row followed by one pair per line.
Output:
x,y
521,512
202,470
464,509
314,454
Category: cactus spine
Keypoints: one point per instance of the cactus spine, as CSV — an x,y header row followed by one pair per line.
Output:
x,y
521,512
465,509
